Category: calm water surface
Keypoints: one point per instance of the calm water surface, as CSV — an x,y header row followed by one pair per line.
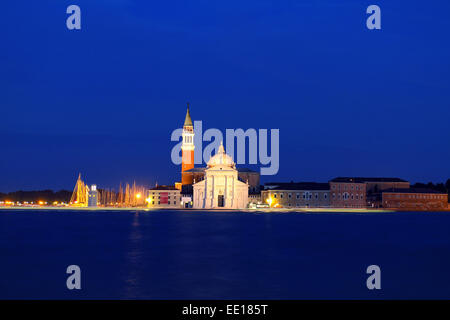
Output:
x,y
223,255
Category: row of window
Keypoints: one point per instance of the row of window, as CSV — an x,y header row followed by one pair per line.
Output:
x,y
402,204
188,139
305,195
422,196
169,196
352,187
299,205
347,196
168,202
169,193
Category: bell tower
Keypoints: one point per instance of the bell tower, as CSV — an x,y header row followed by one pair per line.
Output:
x,y
187,149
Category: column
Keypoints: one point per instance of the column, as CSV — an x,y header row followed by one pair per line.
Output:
x,y
212,192
232,192
205,194
225,196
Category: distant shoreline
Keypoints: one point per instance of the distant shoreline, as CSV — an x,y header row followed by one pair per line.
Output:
x,y
261,210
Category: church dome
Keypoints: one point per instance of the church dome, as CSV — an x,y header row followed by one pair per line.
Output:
x,y
221,159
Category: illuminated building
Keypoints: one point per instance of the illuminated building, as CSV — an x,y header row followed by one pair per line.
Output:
x,y
93,196
411,199
355,192
296,195
187,149
244,174
191,175
164,197
221,187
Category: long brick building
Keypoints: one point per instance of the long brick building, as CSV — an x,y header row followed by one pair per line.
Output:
x,y
356,192
413,199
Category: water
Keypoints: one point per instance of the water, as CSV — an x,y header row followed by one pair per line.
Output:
x,y
223,255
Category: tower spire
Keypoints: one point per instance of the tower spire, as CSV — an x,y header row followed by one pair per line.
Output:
x,y
188,120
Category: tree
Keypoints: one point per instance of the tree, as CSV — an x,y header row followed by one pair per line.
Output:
x,y
441,187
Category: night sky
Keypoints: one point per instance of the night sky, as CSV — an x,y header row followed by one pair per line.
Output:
x,y
104,100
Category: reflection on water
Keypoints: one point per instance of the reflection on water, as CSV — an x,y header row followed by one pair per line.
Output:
x,y
134,259
223,255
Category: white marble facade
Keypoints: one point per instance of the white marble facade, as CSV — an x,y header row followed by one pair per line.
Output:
x,y
220,188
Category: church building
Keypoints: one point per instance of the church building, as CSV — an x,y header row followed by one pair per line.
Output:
x,y
220,187
220,184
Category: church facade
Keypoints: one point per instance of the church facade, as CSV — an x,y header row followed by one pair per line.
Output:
x,y
221,187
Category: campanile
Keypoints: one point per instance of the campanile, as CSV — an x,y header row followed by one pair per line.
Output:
x,y
187,149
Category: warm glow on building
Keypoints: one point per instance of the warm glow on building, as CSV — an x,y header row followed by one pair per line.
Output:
x,y
270,200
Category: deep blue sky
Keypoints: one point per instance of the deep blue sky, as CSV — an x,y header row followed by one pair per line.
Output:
x,y
104,100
